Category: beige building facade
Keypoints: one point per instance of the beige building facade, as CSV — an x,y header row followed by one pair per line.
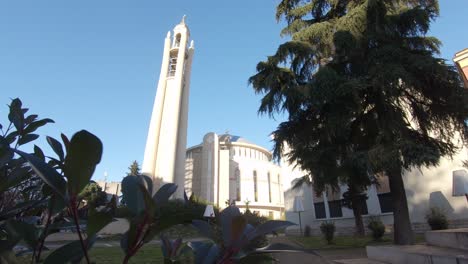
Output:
x,y
226,169
425,187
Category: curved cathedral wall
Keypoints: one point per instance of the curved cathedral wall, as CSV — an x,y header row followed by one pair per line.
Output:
x,y
228,169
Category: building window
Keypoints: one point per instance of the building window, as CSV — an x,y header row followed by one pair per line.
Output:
x,y
238,185
269,188
279,189
319,206
334,203
255,186
177,41
172,64
384,194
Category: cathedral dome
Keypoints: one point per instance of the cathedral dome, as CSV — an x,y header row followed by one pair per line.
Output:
x,y
234,138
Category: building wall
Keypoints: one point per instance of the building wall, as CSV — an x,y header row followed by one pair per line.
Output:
x,y
425,188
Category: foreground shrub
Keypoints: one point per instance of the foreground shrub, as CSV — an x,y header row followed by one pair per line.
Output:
x,y
236,237
437,219
376,227
328,231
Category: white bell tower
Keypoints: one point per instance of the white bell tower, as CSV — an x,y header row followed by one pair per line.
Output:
x,y
164,158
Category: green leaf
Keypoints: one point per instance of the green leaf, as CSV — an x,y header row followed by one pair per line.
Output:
x,y
27,232
28,120
50,176
11,137
97,220
83,155
132,194
16,115
56,203
66,141
71,252
21,207
164,193
8,257
16,176
129,238
150,206
39,153
27,138
37,124
56,147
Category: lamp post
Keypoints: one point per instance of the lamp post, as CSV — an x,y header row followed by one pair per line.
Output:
x,y
298,208
460,183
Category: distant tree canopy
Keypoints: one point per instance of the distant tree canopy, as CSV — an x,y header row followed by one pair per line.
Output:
x,y
134,169
364,92
93,193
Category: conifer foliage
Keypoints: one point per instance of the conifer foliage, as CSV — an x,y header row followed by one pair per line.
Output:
x,y
362,84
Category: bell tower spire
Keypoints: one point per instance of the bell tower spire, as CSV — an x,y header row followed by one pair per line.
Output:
x,y
164,158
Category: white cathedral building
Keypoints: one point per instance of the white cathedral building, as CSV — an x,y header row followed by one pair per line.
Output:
x,y
226,169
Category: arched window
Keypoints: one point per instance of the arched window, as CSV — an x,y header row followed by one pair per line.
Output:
x,y
238,184
269,187
177,41
172,63
279,189
255,186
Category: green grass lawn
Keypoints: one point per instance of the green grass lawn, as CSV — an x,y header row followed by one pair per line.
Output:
x,y
316,242
147,254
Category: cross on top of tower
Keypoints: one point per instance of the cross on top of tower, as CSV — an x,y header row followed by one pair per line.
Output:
x,y
183,20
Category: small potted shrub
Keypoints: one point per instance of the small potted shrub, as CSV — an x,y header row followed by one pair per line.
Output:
x,y
376,227
437,219
328,231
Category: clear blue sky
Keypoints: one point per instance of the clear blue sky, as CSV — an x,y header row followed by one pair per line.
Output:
x,y
94,65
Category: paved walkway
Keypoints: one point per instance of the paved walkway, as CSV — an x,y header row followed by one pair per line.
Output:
x,y
322,256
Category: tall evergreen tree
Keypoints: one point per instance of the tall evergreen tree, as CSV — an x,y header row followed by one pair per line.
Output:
x,y
134,169
361,82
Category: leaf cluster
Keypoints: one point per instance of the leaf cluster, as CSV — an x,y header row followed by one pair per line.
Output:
x,y
237,235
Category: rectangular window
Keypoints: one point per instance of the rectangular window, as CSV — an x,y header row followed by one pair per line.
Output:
x,y
269,188
385,201
335,208
319,207
334,203
255,186
384,194
319,210
172,65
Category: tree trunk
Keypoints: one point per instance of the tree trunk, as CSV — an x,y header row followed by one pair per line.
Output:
x,y
357,211
402,230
